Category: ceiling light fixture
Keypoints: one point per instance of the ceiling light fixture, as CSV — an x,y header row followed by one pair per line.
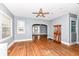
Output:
x,y
40,13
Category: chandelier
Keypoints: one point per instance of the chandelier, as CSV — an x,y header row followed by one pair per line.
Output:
x,y
40,13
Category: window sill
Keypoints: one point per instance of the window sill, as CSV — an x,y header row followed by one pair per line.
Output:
x,y
2,40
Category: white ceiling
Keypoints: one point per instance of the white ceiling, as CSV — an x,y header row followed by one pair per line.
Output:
x,y
55,10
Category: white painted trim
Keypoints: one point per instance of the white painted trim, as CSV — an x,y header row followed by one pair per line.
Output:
x,y
4,14
77,29
77,42
68,44
23,40
3,49
73,43
11,44
65,43
5,38
49,37
19,41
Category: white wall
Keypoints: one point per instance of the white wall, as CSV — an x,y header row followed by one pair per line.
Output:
x,y
28,27
64,22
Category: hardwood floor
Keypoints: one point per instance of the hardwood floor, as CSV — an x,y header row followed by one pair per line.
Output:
x,y
42,48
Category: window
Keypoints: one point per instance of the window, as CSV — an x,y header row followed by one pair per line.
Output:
x,y
20,27
6,25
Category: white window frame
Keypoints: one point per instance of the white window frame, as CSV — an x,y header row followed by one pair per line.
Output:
x,y
20,25
3,39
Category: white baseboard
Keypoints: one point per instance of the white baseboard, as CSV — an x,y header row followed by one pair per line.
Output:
x,y
68,44
73,43
50,37
18,41
65,43
77,42
23,40
11,44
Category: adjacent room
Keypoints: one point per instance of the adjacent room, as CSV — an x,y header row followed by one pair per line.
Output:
x,y
39,29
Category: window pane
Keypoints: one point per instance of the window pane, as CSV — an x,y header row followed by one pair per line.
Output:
x,y
6,27
73,23
73,30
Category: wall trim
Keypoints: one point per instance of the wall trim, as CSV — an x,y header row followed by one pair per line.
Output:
x,y
65,43
11,44
18,41
68,44
77,42
2,12
23,40
73,43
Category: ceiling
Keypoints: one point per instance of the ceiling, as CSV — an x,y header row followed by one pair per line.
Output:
x,y
55,9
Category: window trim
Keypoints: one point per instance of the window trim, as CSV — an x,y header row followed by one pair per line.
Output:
x,y
3,39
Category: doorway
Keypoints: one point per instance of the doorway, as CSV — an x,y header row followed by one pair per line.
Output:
x,y
39,31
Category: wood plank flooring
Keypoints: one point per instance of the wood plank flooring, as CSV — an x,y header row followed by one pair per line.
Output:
x,y
42,48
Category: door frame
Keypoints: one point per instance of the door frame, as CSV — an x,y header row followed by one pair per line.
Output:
x,y
70,37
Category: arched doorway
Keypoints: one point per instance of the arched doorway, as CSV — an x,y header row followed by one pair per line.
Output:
x,y
39,31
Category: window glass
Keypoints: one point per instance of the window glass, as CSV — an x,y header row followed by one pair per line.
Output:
x,y
20,27
73,26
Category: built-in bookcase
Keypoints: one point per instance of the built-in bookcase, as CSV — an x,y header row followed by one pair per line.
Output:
x,y
73,28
